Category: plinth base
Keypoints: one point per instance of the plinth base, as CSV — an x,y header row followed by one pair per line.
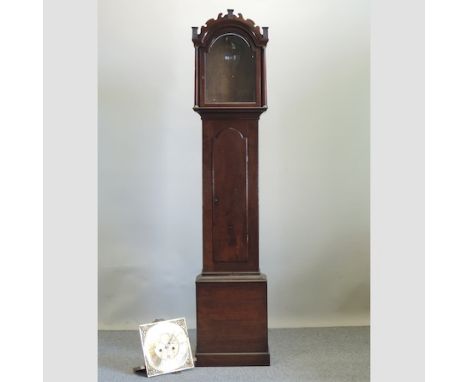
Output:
x,y
232,327
232,359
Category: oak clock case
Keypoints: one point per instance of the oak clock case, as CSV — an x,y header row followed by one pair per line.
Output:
x,y
230,96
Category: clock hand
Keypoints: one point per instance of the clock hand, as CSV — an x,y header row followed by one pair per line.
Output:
x,y
170,339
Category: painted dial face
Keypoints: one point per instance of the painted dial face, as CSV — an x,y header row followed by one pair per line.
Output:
x,y
166,347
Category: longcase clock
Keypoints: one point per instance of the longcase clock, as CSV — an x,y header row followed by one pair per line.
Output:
x,y
230,96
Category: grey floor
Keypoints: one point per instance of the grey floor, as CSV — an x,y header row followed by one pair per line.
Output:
x,y
306,354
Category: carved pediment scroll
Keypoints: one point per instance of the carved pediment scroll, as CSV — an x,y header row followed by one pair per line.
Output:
x,y
259,37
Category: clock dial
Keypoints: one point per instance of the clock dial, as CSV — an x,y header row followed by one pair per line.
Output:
x,y
166,347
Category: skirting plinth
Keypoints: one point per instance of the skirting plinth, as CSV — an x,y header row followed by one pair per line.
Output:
x,y
232,326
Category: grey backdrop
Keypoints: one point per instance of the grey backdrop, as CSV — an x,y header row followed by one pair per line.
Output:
x,y
314,161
